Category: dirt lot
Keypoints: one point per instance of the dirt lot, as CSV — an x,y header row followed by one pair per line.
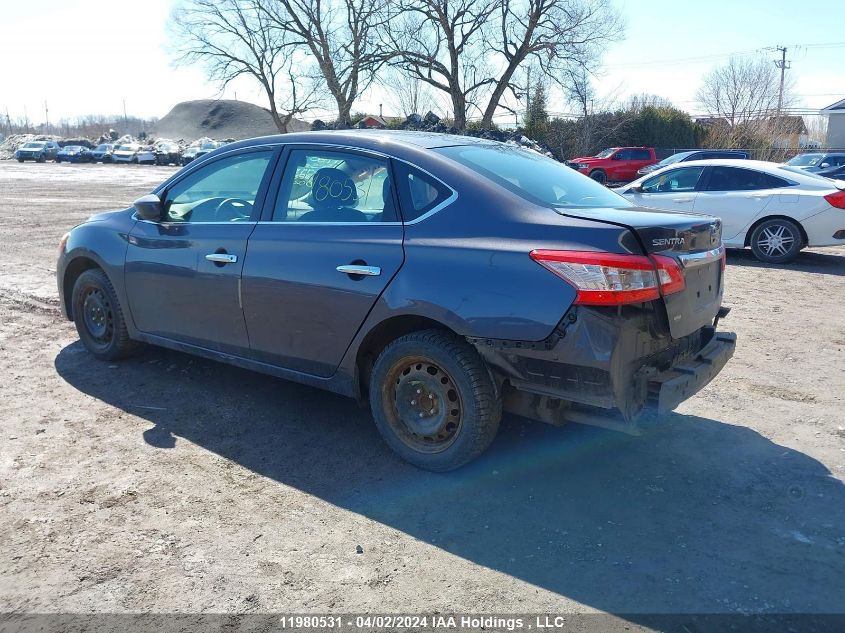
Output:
x,y
169,483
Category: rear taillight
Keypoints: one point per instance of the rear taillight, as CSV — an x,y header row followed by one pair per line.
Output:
x,y
836,199
611,279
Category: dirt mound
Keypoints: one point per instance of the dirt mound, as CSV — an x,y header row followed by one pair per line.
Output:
x,y
218,119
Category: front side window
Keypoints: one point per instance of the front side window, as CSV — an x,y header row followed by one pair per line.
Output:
x,y
739,179
674,180
223,191
331,187
533,177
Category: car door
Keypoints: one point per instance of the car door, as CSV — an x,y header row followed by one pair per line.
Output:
x,y
617,170
639,158
329,244
674,190
183,272
737,195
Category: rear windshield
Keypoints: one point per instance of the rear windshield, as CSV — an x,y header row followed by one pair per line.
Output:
x,y
532,176
34,145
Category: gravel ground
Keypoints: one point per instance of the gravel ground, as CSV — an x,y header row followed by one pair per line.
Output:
x,y
168,483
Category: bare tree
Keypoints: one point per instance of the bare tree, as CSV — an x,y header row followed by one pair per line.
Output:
x,y
647,100
340,35
472,49
405,94
744,95
234,38
555,34
741,90
441,44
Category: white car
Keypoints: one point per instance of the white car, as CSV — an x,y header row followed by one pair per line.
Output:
x,y
133,153
775,209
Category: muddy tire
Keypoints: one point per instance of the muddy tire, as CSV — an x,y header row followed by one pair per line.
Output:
x,y
434,401
99,317
776,241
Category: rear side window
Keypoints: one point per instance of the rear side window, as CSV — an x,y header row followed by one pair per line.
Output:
x,y
331,187
739,179
640,154
419,193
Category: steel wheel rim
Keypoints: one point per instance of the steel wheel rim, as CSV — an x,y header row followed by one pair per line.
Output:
x,y
423,405
98,317
776,240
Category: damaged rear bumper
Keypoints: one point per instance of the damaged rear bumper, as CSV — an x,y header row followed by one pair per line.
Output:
x,y
623,359
684,379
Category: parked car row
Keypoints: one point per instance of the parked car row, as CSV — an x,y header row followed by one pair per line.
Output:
x,y
164,153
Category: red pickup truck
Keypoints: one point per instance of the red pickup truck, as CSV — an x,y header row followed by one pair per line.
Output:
x,y
616,164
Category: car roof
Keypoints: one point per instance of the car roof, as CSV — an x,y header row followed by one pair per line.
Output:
x,y
371,138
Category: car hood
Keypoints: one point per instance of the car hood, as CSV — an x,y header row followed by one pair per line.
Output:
x,y
105,215
586,159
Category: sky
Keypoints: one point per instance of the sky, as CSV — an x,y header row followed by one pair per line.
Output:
x,y
90,56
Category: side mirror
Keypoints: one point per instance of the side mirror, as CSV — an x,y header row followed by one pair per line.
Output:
x,y
824,165
636,189
148,207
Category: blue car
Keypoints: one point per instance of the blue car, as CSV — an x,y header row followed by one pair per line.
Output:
x,y
74,154
102,153
443,279
38,151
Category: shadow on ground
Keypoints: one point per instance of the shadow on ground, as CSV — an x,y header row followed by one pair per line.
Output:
x,y
698,516
807,261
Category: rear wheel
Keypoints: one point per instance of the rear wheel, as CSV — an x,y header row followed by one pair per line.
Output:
x,y
99,317
434,401
599,176
776,241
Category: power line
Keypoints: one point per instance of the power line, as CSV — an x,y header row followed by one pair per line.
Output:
x,y
718,56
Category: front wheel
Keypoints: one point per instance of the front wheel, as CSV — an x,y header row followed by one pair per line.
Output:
x,y
98,316
599,176
776,241
434,401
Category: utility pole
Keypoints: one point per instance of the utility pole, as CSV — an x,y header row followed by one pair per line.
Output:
x,y
125,119
46,118
783,65
8,121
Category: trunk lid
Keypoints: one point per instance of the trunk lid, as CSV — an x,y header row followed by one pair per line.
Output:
x,y
694,241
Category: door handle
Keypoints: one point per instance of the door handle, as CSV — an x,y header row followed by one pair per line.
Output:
x,y
221,258
682,200
356,269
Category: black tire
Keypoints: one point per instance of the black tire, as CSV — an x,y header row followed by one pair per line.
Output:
x,y
599,176
99,317
776,241
20,160
434,401
41,158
